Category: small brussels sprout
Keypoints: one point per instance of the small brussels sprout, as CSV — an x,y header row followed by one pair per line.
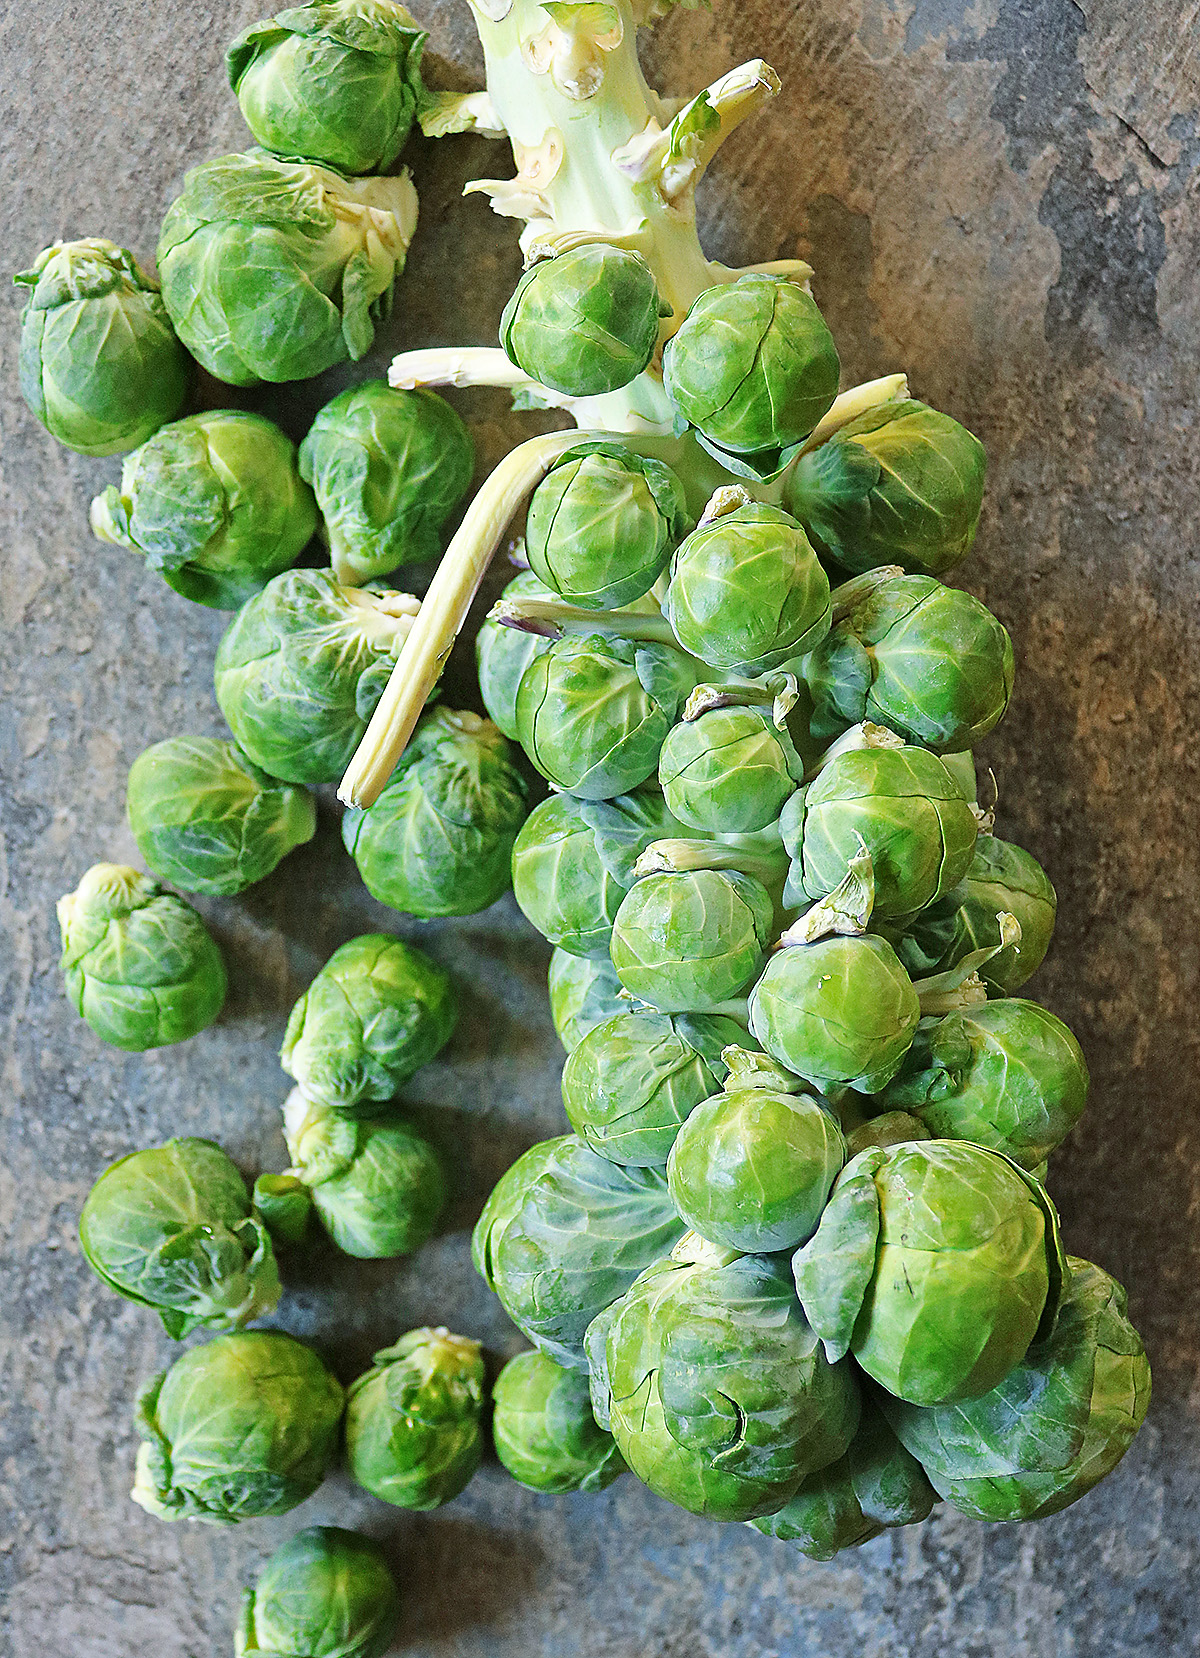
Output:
x,y
338,83
100,365
1002,878
439,839
902,484
890,1128
244,1426
729,772
275,270
544,1430
376,1012
585,322
413,1431
583,994
753,366
688,940
327,1593
139,964
388,468
172,1228
502,655
936,1264
214,503
285,1205
206,819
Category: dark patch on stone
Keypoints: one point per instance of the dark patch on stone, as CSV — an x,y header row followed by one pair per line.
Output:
x,y
838,244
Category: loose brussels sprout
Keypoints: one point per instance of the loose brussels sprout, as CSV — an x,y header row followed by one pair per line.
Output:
x,y
583,994
564,1233
388,468
936,1264
544,1430
689,940
172,1228
717,1392
753,367
902,484
205,818
139,964
338,83
100,365
301,667
584,323
276,270
439,839
376,1012
327,1593
730,771
502,655
1002,878
214,503
413,1431
243,1426
285,1204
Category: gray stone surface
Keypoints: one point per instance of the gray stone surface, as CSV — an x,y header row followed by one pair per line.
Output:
x,y
978,215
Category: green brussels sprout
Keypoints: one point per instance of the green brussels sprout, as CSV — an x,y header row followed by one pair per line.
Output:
x,y
890,1128
717,1392
275,270
929,662
583,994
138,962
1002,878
746,591
334,82
285,1205
244,1426
376,1012
688,940
564,1233
327,1593
753,366
936,1264
544,1430
585,322
388,468
301,667
730,771
100,365
1057,1424
902,484
206,819
172,1228
439,839
414,1434
214,503
502,655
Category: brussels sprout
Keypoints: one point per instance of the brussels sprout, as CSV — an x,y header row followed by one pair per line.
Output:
x,y
214,503
243,1426
285,1205
1055,1426
502,655
139,964
439,839
718,1393
753,366
689,940
301,667
335,82
327,1593
902,484
205,818
936,1264
276,270
1002,878
890,1128
544,1430
584,323
729,772
100,365
583,994
564,1233
388,468
413,1431
376,1012
172,1228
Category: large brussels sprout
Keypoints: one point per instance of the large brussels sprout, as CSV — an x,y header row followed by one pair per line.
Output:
x,y
276,270
214,503
439,839
100,365
138,962
388,468
688,940
544,1430
243,1426
584,323
414,1434
376,1012
730,771
207,819
502,655
583,994
936,1263
326,1593
172,1228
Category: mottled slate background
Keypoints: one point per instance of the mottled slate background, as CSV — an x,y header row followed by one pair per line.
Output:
x,y
998,197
